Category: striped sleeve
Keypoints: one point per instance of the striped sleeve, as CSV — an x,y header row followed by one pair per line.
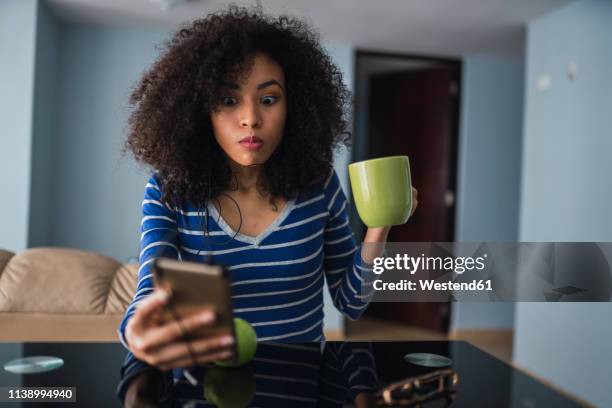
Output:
x,y
349,278
158,238
359,367
132,367
348,369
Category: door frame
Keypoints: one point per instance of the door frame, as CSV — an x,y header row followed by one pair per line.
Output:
x,y
360,120
360,124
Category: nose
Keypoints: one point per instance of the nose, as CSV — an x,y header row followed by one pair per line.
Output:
x,y
250,115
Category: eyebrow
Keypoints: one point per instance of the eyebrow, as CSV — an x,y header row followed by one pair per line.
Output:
x,y
260,86
269,83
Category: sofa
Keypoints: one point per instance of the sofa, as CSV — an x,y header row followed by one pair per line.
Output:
x,y
60,294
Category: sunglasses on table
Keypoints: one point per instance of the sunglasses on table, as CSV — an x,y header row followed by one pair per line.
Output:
x,y
435,389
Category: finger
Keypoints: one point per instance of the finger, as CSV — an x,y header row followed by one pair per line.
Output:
x,y
174,330
203,359
151,303
158,318
200,353
181,349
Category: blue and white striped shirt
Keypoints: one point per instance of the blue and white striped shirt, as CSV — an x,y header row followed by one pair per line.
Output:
x,y
277,276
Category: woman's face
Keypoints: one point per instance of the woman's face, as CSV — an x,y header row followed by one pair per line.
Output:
x,y
249,123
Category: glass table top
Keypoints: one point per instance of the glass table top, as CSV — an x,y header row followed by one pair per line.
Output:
x,y
330,374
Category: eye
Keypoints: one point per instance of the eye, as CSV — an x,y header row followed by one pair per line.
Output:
x,y
229,101
269,100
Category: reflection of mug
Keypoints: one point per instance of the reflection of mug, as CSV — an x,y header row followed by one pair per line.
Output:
x,y
382,190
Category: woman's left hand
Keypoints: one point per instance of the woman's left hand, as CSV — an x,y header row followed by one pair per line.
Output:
x,y
379,235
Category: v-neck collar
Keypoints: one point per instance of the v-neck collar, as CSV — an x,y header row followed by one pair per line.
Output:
x,y
248,238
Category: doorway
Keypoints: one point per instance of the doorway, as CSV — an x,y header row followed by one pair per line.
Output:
x,y
409,105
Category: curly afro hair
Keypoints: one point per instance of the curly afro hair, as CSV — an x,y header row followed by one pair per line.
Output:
x,y
170,128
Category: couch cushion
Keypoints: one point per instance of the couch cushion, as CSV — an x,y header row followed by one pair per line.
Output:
x,y
5,256
122,289
57,280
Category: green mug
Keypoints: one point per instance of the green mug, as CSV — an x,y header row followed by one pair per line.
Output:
x,y
382,190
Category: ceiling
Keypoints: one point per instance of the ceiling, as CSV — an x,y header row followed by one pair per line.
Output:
x,y
433,27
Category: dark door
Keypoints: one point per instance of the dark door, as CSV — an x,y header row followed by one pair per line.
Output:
x,y
415,113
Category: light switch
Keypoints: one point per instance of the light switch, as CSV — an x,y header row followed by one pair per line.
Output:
x,y
572,71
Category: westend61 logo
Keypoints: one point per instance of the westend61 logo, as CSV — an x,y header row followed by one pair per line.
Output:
x,y
413,264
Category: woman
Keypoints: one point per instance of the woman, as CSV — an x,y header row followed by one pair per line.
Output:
x,y
239,117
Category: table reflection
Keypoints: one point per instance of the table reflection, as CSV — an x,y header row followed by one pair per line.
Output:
x,y
327,374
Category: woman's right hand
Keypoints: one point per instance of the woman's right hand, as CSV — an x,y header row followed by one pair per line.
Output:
x,y
161,343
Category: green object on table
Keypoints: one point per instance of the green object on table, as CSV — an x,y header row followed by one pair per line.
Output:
x,y
229,387
246,344
382,190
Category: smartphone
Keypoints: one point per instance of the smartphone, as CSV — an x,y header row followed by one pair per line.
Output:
x,y
192,287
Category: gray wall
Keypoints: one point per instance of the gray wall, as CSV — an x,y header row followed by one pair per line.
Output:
x,y
17,21
567,190
44,125
489,170
490,149
97,194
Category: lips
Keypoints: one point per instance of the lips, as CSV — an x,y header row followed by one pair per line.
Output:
x,y
251,142
251,139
